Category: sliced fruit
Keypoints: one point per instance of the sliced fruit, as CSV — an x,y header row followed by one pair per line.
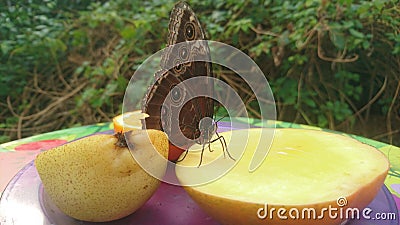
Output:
x,y
305,171
129,121
132,121
97,179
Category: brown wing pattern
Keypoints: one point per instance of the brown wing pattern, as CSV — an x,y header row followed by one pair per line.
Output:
x,y
179,113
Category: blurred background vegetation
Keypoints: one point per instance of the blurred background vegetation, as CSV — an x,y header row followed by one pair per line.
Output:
x,y
333,64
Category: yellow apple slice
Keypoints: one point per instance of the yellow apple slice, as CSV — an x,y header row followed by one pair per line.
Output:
x,y
97,179
305,173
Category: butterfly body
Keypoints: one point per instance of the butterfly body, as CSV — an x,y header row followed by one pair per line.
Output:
x,y
173,106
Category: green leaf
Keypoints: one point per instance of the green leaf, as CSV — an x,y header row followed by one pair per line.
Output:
x,y
379,4
337,38
366,44
128,32
310,102
348,24
356,33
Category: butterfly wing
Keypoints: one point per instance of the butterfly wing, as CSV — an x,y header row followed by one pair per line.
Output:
x,y
173,106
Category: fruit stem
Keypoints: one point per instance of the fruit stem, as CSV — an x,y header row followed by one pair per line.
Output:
x,y
121,141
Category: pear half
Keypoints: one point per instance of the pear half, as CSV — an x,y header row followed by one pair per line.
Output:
x,y
97,179
304,173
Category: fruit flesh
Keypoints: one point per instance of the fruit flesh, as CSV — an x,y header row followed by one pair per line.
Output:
x,y
129,121
303,168
132,121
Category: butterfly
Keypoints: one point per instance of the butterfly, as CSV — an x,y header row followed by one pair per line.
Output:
x,y
172,104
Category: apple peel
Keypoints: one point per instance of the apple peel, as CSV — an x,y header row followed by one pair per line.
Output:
x,y
95,179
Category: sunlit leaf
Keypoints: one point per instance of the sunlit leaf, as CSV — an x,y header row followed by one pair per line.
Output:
x,y
356,33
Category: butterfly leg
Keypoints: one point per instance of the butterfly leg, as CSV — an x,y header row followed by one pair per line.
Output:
x,y
223,143
184,156
222,139
209,146
201,156
186,151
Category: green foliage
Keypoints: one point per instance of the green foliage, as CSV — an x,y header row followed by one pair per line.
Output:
x,y
30,35
331,58
330,63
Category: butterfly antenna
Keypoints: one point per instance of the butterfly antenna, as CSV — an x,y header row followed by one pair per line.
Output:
x,y
220,119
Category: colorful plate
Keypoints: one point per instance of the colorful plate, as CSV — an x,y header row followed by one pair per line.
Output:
x,y
24,201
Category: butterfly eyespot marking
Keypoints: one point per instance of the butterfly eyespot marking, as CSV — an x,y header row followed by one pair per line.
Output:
x,y
178,62
176,94
189,31
183,53
178,68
